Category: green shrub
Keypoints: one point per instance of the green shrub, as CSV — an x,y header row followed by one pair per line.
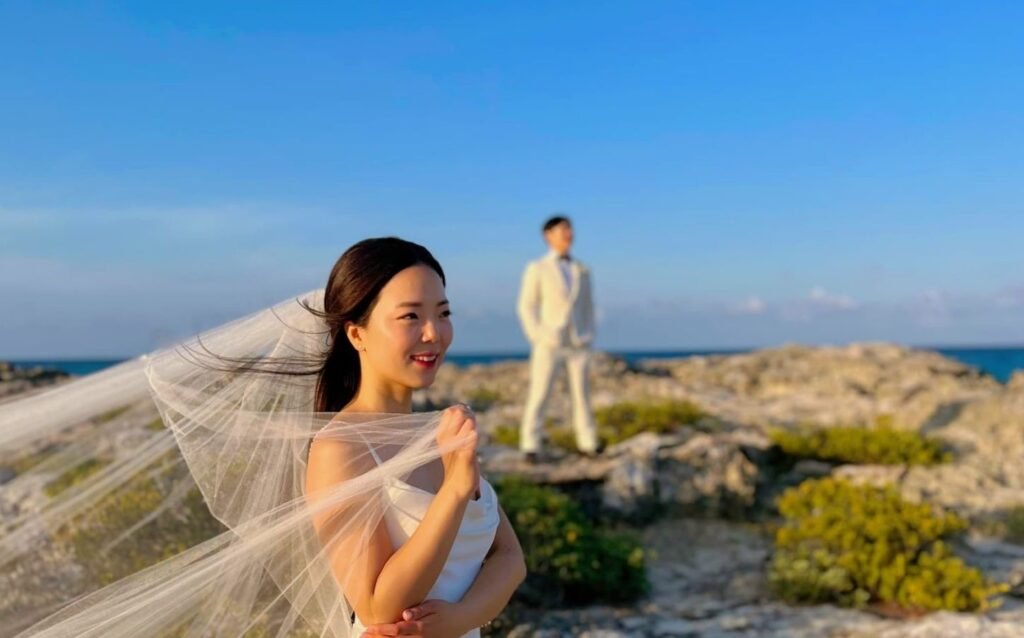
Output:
x,y
568,560
165,535
1009,526
74,476
110,415
878,445
885,421
621,421
615,423
507,435
24,463
860,545
484,398
562,437
1015,525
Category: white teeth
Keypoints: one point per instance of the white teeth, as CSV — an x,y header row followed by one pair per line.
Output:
x,y
425,358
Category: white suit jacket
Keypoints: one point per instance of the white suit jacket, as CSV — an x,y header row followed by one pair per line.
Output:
x,y
552,313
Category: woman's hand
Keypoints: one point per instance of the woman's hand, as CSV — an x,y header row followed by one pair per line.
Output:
x,y
461,469
430,619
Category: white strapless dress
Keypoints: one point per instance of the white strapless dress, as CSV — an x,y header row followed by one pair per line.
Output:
x,y
408,505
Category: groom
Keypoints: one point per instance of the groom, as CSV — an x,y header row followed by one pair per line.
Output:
x,y
556,310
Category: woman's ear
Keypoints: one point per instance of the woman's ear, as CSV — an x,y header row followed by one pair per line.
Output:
x,y
355,336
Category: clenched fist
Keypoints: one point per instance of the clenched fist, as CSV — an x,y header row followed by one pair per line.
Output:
x,y
461,468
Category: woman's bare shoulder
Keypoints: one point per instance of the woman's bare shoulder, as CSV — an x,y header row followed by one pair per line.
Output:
x,y
336,456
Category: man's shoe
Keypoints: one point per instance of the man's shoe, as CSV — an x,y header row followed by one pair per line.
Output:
x,y
531,458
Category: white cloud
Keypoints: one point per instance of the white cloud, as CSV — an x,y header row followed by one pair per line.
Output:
x,y
1010,296
824,299
749,306
819,302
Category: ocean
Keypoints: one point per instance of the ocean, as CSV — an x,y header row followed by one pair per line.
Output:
x,y
997,362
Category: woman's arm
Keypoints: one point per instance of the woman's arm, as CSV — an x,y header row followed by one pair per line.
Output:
x,y
503,571
380,582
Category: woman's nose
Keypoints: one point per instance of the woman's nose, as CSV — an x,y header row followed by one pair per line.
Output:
x,y
429,332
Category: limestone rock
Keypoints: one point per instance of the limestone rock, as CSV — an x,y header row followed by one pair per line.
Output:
x,y
707,472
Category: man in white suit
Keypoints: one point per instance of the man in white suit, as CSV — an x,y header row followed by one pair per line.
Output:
x,y
556,309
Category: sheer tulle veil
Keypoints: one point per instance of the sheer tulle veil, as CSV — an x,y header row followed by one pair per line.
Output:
x,y
236,436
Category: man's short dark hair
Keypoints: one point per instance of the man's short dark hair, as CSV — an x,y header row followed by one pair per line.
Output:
x,y
556,220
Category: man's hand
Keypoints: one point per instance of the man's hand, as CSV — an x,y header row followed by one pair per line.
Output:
x,y
429,619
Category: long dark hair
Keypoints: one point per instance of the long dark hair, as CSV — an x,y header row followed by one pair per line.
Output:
x,y
349,297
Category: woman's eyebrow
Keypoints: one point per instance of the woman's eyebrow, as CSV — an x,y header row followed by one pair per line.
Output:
x,y
418,304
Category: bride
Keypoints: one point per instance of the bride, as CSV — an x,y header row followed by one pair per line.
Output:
x,y
345,512
444,560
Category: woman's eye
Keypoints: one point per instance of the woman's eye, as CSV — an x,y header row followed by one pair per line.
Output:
x,y
411,315
446,313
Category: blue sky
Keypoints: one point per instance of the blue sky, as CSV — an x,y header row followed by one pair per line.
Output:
x,y
740,173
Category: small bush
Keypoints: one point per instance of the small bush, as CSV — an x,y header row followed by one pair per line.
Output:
x,y
22,464
621,421
164,535
507,435
615,423
1015,525
882,445
568,560
885,421
484,398
860,545
110,415
562,437
74,476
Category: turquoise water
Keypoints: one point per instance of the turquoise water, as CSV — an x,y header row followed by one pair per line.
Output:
x,y
77,367
998,362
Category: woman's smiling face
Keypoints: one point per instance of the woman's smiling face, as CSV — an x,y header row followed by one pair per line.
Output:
x,y
408,330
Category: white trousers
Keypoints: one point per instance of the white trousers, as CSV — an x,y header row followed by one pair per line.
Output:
x,y
545,362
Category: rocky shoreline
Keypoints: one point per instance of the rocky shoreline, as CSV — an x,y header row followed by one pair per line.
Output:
x,y
711,483
707,480
16,380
